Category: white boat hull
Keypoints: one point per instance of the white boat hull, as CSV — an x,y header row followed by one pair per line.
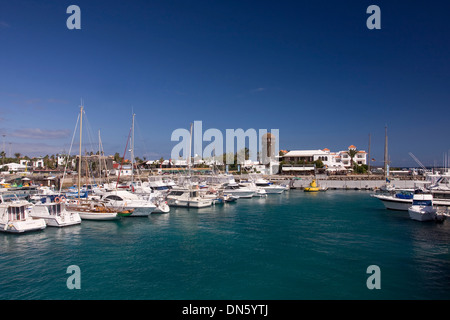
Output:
x,y
62,219
240,194
23,226
98,215
162,208
393,203
274,190
421,215
65,220
189,203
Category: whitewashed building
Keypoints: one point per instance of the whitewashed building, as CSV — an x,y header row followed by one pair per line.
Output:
x,y
332,161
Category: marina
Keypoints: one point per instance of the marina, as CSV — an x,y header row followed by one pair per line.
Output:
x,y
224,150
296,245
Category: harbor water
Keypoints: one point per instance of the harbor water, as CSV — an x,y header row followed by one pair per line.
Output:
x,y
296,245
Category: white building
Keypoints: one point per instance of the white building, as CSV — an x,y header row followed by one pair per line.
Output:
x,y
332,161
14,167
360,157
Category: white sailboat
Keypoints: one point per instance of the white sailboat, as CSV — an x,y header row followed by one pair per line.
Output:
x,y
88,209
143,197
187,195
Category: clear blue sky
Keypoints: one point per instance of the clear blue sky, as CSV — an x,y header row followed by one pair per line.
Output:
x,y
311,69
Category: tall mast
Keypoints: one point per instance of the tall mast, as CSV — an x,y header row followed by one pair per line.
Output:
x,y
386,160
368,163
99,156
79,159
189,152
132,148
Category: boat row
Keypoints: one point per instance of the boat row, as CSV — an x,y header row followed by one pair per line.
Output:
x,y
428,201
136,199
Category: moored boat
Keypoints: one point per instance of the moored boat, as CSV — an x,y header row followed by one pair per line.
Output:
x,y
54,213
185,197
92,210
15,217
422,207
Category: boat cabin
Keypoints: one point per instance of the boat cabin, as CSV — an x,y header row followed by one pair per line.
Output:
x,y
422,200
17,212
178,193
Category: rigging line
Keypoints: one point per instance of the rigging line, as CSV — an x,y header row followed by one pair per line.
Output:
x,y
68,155
89,132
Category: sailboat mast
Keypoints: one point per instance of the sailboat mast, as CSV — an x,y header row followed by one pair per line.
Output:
x,y
99,156
385,153
189,152
368,160
79,159
132,148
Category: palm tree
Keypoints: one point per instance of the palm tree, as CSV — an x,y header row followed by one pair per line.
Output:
x,y
352,153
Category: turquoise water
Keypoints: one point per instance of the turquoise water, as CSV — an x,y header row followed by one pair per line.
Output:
x,y
292,246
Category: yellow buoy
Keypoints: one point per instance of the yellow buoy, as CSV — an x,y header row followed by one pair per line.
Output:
x,y
312,187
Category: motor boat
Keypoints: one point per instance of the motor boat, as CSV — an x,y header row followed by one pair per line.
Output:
x,y
396,199
259,191
128,201
422,207
15,217
53,211
187,197
238,191
269,187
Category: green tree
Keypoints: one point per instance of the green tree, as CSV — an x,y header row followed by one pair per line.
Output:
x,y
117,158
318,163
360,168
352,153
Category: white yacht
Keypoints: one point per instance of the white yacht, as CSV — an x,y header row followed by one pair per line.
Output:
x,y
270,187
259,191
15,217
396,200
54,213
422,207
237,191
128,201
186,197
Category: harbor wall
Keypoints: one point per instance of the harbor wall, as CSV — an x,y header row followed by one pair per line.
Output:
x,y
351,184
